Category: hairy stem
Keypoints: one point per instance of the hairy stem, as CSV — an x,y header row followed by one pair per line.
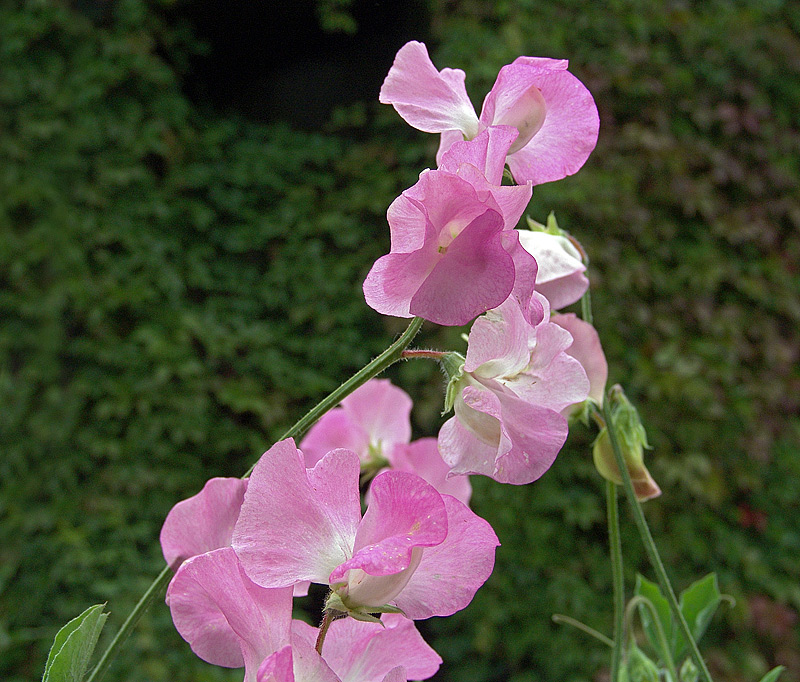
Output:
x,y
391,355
652,550
615,545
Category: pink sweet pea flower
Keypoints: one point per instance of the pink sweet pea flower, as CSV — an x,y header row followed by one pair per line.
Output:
x,y
424,552
374,422
553,112
454,253
517,380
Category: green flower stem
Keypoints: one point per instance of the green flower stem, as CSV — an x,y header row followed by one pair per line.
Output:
x,y
662,638
652,551
615,545
586,307
391,355
156,589
327,618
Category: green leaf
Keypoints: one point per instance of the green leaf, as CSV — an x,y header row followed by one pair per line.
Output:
x,y
698,604
73,646
773,674
652,593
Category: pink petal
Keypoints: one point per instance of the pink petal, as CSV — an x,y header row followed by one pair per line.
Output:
x,y
204,521
405,513
450,573
335,429
447,139
397,674
278,667
427,99
560,278
498,343
487,152
395,278
367,652
298,524
567,136
474,274
587,350
423,459
227,619
526,270
383,411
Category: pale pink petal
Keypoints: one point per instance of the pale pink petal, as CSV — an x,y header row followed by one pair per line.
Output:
x,y
383,411
526,269
395,278
474,274
567,136
397,674
279,667
405,513
427,99
450,573
561,383
422,458
587,350
408,222
509,200
204,521
560,278
464,452
335,429
226,618
366,652
498,342
298,524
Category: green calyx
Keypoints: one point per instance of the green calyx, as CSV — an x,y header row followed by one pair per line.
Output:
x,y
366,614
453,368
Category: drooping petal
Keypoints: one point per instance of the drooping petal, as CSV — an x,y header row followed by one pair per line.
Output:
x,y
404,515
560,278
226,618
450,573
366,652
422,458
427,99
204,521
298,524
587,350
474,275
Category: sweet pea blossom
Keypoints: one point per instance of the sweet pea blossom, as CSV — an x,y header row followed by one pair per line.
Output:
x,y
454,253
423,552
560,278
516,381
586,349
374,422
553,112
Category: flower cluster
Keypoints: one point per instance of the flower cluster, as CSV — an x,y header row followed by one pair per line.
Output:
x,y
243,550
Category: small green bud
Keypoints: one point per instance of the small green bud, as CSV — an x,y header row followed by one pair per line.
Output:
x,y
689,671
632,441
639,668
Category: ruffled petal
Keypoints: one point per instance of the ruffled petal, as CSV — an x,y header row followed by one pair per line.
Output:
x,y
383,411
226,618
587,350
203,522
427,99
335,429
422,458
298,524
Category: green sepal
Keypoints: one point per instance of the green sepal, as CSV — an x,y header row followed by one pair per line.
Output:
x,y
335,603
689,671
364,617
73,646
773,674
639,668
453,367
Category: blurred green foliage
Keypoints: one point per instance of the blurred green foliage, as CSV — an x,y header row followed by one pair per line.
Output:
x,y
176,287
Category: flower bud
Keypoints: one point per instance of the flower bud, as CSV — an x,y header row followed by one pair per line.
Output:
x,y
638,667
632,440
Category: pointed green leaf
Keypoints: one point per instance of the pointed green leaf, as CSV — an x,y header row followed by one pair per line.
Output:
x,y
386,608
773,674
364,617
652,593
73,646
698,604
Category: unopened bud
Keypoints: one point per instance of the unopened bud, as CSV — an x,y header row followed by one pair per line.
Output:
x,y
632,440
639,668
453,368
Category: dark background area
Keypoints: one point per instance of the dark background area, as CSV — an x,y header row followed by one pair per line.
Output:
x,y
191,194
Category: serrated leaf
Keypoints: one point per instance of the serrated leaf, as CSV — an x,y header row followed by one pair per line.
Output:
x,y
73,646
698,604
773,674
652,593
